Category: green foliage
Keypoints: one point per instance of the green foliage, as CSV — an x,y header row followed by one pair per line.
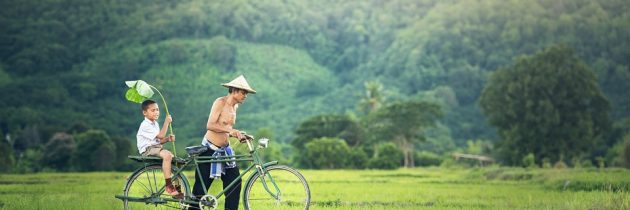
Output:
x,y
58,151
404,119
4,77
425,158
307,57
624,155
373,98
479,147
28,161
529,161
560,165
404,123
138,92
124,148
326,153
95,151
620,130
6,154
388,156
29,137
548,104
546,163
331,125
357,158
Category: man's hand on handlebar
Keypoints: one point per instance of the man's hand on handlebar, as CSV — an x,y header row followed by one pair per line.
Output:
x,y
245,137
237,134
241,136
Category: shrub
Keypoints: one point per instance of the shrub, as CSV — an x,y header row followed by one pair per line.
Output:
x,y
560,165
546,163
388,156
425,158
329,153
529,161
357,159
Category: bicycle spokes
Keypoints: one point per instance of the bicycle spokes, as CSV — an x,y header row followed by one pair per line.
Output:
x,y
281,187
276,193
145,190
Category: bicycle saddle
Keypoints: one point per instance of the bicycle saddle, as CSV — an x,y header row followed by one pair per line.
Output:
x,y
195,150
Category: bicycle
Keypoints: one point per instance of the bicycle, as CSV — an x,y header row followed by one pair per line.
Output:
x,y
279,186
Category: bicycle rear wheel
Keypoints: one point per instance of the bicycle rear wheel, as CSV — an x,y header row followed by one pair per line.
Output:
x,y
145,183
286,189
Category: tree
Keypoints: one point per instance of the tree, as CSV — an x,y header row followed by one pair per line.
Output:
x,y
548,104
624,153
27,138
6,154
404,123
95,151
388,156
373,98
329,153
329,125
58,151
123,149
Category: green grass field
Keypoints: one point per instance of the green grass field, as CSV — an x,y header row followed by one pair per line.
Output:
x,y
421,188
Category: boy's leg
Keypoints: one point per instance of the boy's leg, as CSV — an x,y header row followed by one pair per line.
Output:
x,y
233,195
166,163
166,168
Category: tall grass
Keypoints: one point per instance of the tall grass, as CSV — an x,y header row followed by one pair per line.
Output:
x,y
421,188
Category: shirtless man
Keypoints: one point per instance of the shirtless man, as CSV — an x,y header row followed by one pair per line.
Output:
x,y
220,127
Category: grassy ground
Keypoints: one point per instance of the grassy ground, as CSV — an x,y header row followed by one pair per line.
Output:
x,y
422,188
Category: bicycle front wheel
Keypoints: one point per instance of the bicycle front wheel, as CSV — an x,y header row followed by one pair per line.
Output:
x,y
145,183
281,187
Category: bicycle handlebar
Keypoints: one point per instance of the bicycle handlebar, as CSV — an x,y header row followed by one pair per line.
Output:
x,y
249,138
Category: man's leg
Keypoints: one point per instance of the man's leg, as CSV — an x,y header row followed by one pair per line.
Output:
x,y
204,177
233,195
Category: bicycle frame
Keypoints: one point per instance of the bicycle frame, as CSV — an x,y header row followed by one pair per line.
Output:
x,y
253,156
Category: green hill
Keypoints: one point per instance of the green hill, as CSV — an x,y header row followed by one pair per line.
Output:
x,y
189,73
63,63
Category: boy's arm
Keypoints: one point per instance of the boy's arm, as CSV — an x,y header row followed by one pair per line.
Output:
x,y
162,134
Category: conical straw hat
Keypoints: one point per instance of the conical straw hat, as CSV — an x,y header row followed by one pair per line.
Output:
x,y
240,83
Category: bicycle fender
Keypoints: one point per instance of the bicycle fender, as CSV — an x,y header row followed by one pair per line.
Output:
x,y
270,164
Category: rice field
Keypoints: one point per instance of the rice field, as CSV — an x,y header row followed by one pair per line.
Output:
x,y
419,188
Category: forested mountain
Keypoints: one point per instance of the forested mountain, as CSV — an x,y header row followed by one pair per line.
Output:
x,y
63,63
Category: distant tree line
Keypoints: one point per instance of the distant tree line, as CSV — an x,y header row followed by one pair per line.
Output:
x,y
78,149
548,108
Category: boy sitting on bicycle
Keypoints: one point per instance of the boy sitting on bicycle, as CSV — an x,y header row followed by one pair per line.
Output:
x,y
150,140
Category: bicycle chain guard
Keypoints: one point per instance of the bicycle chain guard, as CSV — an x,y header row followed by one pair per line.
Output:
x,y
209,201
